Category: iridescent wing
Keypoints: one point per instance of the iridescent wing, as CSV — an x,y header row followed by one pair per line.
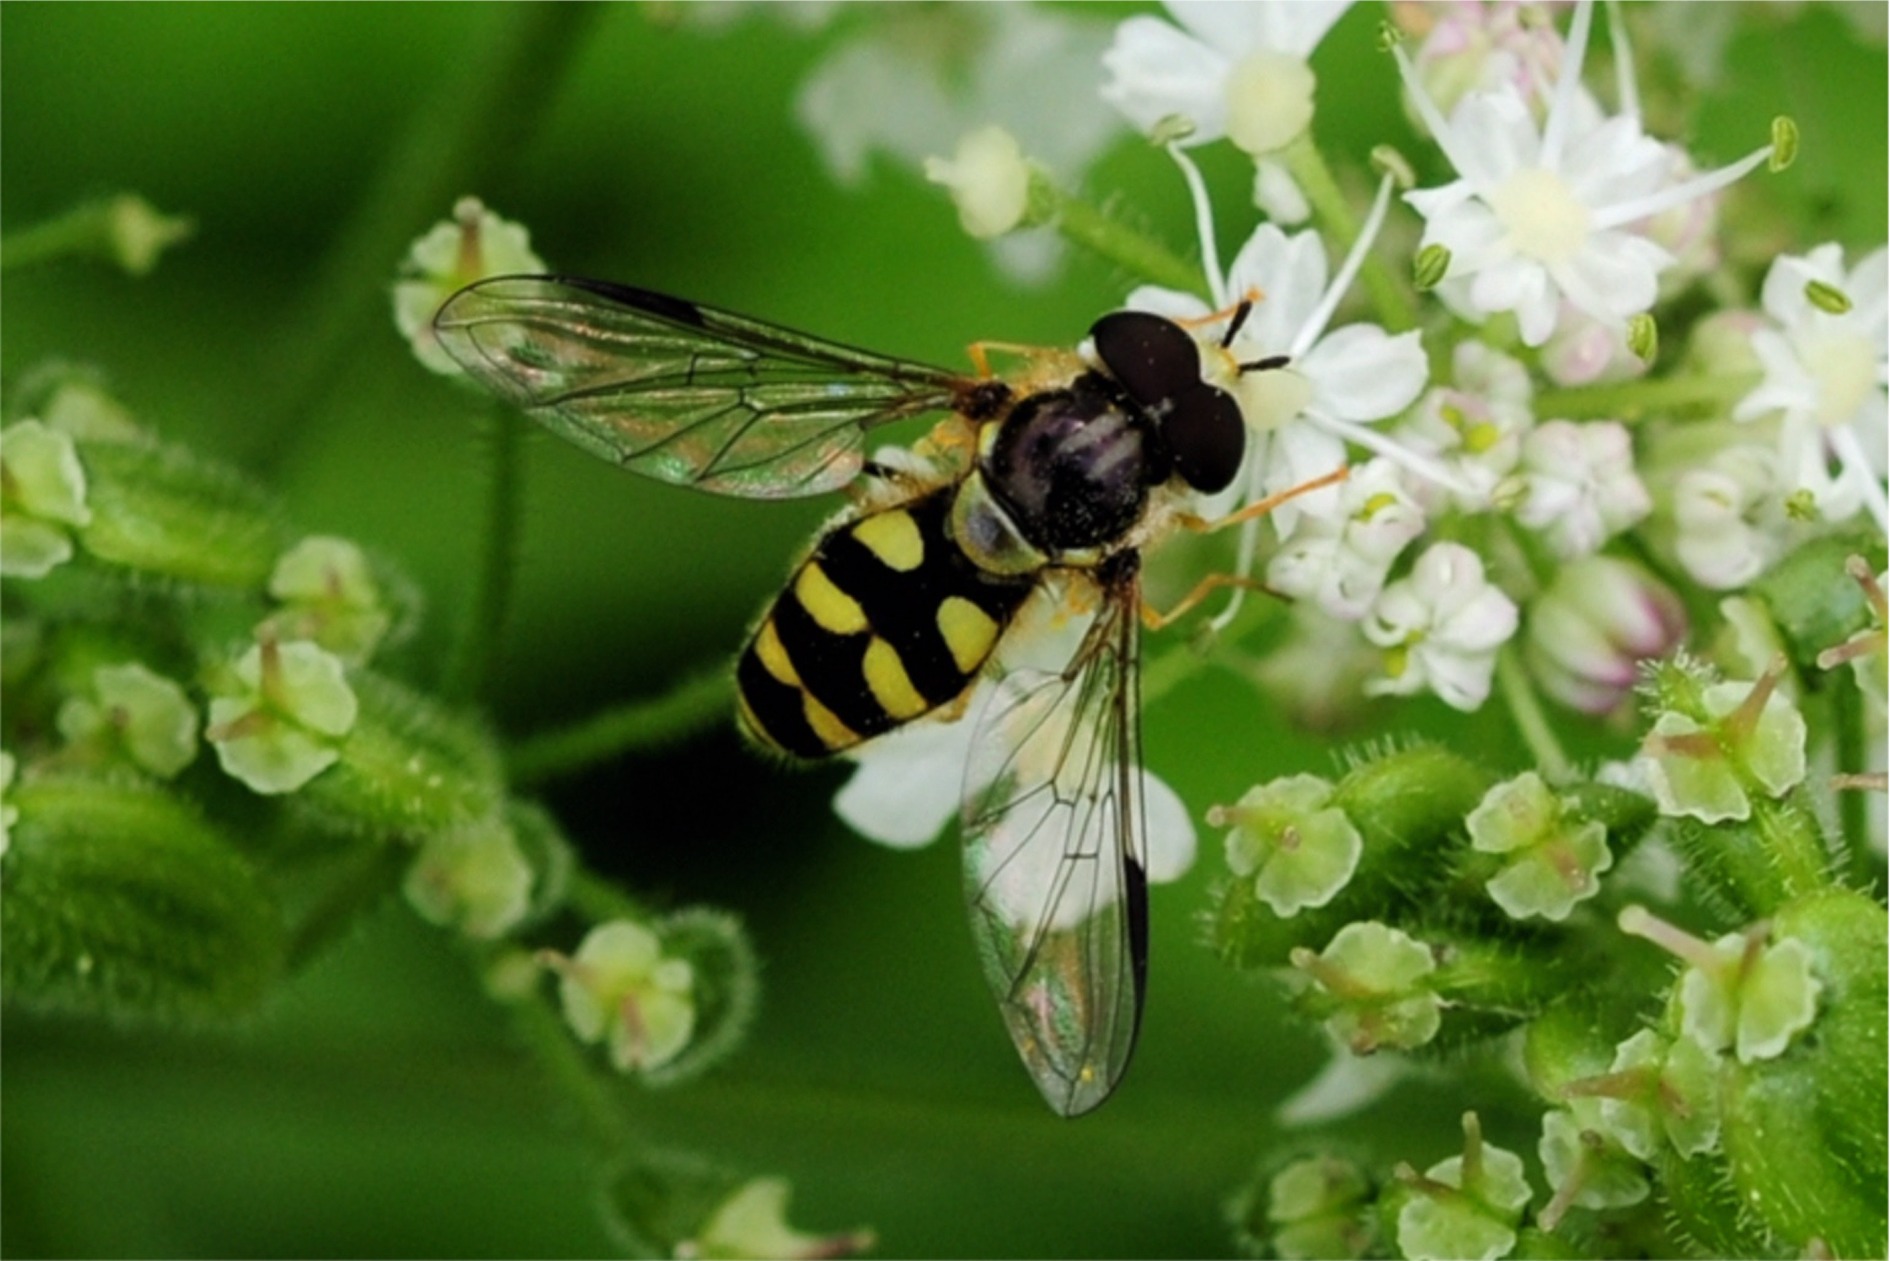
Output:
x,y
681,392
1054,858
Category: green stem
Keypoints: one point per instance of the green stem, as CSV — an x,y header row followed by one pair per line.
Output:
x,y
340,907
461,143
1525,709
599,900
1847,714
1308,168
1792,849
572,1070
470,664
1093,229
1708,395
85,229
692,705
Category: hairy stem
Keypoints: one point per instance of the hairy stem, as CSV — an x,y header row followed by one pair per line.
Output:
x,y
693,705
1309,170
1525,709
1633,400
1144,256
470,664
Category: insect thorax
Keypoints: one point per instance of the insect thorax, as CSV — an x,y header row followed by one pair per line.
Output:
x,y
1063,477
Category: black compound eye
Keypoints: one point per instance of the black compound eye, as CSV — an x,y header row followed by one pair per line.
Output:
x,y
1206,437
1153,358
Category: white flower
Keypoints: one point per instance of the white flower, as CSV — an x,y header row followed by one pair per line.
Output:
x,y
1584,350
1826,372
1336,384
1473,425
1237,70
1581,488
1441,628
1543,215
910,86
1481,47
1341,561
1729,517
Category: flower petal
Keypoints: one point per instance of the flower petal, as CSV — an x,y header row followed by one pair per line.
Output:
x,y
1362,373
1156,71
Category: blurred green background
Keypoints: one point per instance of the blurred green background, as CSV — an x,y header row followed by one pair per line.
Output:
x,y
378,1107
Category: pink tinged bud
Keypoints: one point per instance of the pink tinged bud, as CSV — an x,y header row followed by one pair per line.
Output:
x,y
1590,630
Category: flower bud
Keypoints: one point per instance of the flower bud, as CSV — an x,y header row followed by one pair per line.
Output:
x,y
473,878
1371,984
1583,350
282,719
135,713
1582,489
1467,1206
42,499
1287,837
1552,857
330,597
471,246
989,181
621,989
1728,516
1318,1206
1589,632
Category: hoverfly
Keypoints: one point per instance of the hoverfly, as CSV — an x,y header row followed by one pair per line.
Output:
x,y
1058,480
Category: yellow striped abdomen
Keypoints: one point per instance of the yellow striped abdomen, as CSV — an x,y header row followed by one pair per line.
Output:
x,y
887,620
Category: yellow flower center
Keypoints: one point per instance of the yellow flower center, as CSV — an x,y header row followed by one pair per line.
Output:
x,y
1544,219
1845,368
1269,101
1272,399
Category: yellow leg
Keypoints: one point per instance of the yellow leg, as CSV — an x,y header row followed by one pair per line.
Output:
x,y
1260,507
1253,295
1155,619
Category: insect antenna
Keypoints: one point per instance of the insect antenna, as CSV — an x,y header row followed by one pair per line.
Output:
x,y
1271,363
1239,318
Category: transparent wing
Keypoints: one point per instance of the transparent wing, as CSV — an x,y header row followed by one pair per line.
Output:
x,y
684,393
1054,862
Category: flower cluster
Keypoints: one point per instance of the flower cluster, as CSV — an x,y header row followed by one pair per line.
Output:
x,y
1575,478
